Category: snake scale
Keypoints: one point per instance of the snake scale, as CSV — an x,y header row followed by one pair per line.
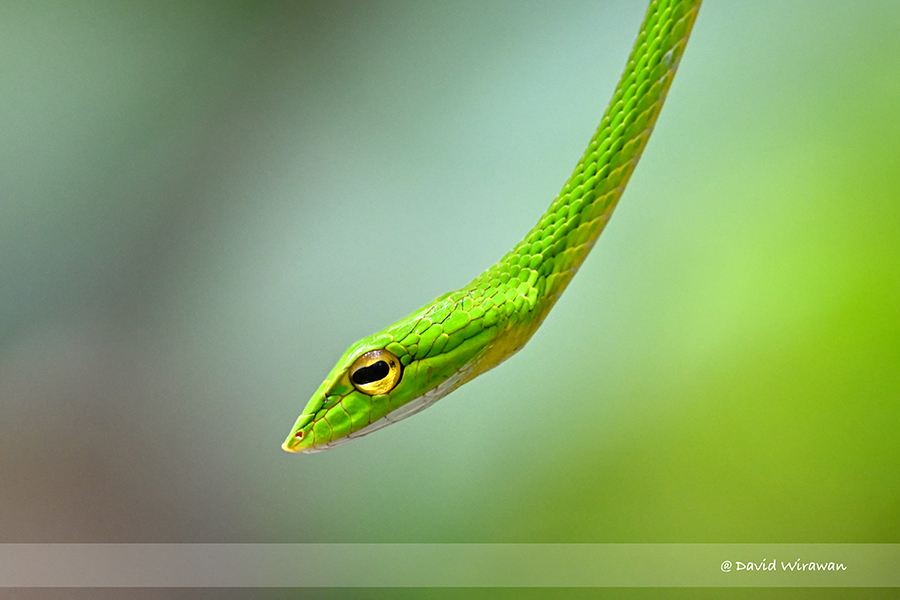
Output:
x,y
411,364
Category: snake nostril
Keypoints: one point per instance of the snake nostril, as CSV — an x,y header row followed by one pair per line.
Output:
x,y
299,435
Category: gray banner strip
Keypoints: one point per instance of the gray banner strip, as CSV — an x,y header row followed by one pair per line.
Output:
x,y
449,565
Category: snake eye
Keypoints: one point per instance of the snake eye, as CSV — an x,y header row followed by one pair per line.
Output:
x,y
376,372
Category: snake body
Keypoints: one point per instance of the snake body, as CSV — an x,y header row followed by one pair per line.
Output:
x,y
411,364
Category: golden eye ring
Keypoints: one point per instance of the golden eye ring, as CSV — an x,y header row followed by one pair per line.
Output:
x,y
376,372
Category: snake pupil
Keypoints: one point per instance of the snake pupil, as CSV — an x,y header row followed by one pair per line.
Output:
x,y
374,372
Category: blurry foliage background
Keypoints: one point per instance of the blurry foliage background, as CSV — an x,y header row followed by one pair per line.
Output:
x,y
204,204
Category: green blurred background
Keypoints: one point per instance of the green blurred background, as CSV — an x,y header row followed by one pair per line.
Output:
x,y
204,204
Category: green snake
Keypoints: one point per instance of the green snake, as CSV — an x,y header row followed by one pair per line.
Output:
x,y
421,358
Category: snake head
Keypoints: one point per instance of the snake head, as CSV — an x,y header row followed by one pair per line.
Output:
x,y
394,374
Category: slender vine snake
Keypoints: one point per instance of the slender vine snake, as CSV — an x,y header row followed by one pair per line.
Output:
x,y
421,358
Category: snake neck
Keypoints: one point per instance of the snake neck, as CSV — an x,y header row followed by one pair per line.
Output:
x,y
535,272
